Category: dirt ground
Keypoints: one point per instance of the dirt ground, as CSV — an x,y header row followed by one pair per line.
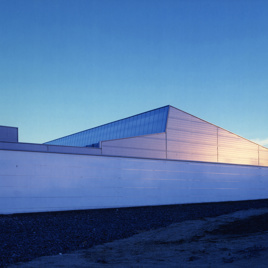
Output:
x,y
238,239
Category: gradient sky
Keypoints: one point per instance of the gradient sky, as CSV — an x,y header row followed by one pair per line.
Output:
x,y
69,65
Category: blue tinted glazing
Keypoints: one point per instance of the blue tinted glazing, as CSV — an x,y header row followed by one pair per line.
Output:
x,y
142,124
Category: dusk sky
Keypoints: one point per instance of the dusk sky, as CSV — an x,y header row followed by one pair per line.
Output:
x,y
69,65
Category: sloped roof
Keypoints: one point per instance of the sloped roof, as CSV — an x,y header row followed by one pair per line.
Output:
x,y
150,122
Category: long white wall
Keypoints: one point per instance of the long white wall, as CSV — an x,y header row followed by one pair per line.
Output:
x,y
43,181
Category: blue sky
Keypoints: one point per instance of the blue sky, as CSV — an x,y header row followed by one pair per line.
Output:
x,y
69,65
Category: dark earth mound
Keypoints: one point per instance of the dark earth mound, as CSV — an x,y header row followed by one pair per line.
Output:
x,y
250,225
24,237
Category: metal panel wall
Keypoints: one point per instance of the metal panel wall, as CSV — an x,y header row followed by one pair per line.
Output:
x,y
235,149
190,138
35,182
148,146
263,156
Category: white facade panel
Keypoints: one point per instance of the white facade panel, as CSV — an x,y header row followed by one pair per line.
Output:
x,y
237,160
192,126
190,138
35,182
263,156
239,156
190,148
228,139
235,149
178,114
191,156
133,152
149,146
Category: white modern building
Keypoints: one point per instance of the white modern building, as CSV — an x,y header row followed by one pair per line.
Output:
x,y
164,156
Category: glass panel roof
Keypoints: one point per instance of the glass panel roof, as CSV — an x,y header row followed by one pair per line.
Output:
x,y
150,122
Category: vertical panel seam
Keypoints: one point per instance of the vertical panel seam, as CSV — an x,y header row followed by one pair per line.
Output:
x,y
217,144
258,155
166,130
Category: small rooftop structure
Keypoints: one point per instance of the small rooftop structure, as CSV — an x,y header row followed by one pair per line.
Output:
x,y
8,134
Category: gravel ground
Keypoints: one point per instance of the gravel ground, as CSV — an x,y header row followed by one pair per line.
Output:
x,y
24,237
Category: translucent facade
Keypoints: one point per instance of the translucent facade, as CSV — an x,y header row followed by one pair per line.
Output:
x,y
169,133
150,122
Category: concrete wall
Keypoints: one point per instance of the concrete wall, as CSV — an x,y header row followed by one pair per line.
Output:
x,y
43,181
